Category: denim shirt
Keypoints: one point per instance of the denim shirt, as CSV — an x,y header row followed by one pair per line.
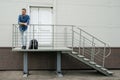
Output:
x,y
23,19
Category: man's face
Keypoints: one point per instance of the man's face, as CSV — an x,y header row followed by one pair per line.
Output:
x,y
23,12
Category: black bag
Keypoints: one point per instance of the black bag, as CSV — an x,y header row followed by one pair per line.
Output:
x,y
33,44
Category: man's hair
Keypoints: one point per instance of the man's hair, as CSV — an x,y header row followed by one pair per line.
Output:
x,y
24,9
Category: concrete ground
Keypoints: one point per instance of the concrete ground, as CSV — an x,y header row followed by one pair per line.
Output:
x,y
51,75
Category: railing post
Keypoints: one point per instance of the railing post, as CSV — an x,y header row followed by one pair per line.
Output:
x,y
13,36
93,50
83,49
72,38
104,55
33,36
65,37
80,42
17,37
53,37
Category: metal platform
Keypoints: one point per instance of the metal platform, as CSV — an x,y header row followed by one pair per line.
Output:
x,y
58,51
43,49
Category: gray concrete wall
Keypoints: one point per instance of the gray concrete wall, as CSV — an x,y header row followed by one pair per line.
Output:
x,y
47,60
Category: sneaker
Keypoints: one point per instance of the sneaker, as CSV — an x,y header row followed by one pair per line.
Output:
x,y
23,47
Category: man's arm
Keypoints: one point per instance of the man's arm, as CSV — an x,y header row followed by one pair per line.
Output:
x,y
28,20
19,22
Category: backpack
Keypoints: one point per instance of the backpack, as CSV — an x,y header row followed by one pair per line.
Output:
x,y
33,44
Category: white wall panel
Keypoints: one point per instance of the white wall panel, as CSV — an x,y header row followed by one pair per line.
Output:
x,y
99,17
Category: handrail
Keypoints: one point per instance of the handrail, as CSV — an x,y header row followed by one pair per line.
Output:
x,y
90,41
91,35
46,25
83,36
98,40
104,55
109,51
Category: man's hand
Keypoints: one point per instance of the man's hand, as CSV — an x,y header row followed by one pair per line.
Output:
x,y
24,24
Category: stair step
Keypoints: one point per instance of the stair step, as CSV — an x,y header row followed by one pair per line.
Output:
x,y
74,52
104,69
91,62
109,72
86,59
98,66
80,56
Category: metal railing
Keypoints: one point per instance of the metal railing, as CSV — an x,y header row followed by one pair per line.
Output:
x,y
47,35
69,36
90,46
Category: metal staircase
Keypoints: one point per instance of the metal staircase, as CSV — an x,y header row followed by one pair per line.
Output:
x,y
83,46
92,64
90,50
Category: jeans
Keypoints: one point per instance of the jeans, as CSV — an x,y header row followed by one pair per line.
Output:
x,y
23,37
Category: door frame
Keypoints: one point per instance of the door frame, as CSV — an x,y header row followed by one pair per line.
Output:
x,y
53,19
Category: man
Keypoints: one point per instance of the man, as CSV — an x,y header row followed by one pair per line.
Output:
x,y
23,21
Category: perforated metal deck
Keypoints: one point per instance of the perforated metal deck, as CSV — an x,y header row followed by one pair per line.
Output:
x,y
43,49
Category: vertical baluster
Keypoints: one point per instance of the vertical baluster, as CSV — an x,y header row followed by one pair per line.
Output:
x,y
92,51
83,49
13,36
65,36
53,36
104,55
33,36
17,36
80,42
29,33
72,38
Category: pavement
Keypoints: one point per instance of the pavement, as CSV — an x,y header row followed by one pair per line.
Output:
x,y
51,75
